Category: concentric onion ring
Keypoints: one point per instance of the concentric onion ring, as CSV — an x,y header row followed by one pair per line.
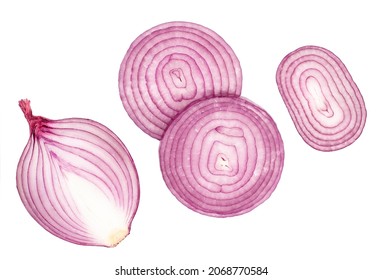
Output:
x,y
171,65
222,156
324,102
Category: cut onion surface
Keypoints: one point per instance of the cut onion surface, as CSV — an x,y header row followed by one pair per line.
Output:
x,y
77,180
222,156
171,65
323,101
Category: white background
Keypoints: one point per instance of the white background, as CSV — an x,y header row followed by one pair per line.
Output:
x,y
322,222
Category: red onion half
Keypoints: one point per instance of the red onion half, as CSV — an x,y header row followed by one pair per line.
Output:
x,y
324,102
77,180
222,156
171,65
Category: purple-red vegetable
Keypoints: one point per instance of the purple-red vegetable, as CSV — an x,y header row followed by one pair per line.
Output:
x,y
222,156
171,65
77,180
324,102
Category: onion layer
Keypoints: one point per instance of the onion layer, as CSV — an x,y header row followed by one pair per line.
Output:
x,y
222,156
171,65
77,180
324,102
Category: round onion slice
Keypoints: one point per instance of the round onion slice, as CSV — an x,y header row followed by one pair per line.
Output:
x,y
324,102
77,180
222,156
171,65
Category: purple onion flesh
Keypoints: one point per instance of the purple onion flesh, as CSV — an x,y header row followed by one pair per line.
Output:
x,y
222,156
171,65
323,101
77,180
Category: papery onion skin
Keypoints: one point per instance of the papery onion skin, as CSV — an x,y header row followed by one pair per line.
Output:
x,y
322,98
222,156
77,179
171,65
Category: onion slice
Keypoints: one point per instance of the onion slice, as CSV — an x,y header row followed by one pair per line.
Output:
x,y
77,180
222,156
324,102
171,65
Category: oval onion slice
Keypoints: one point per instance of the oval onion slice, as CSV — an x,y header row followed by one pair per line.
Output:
x,y
222,156
171,65
324,102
